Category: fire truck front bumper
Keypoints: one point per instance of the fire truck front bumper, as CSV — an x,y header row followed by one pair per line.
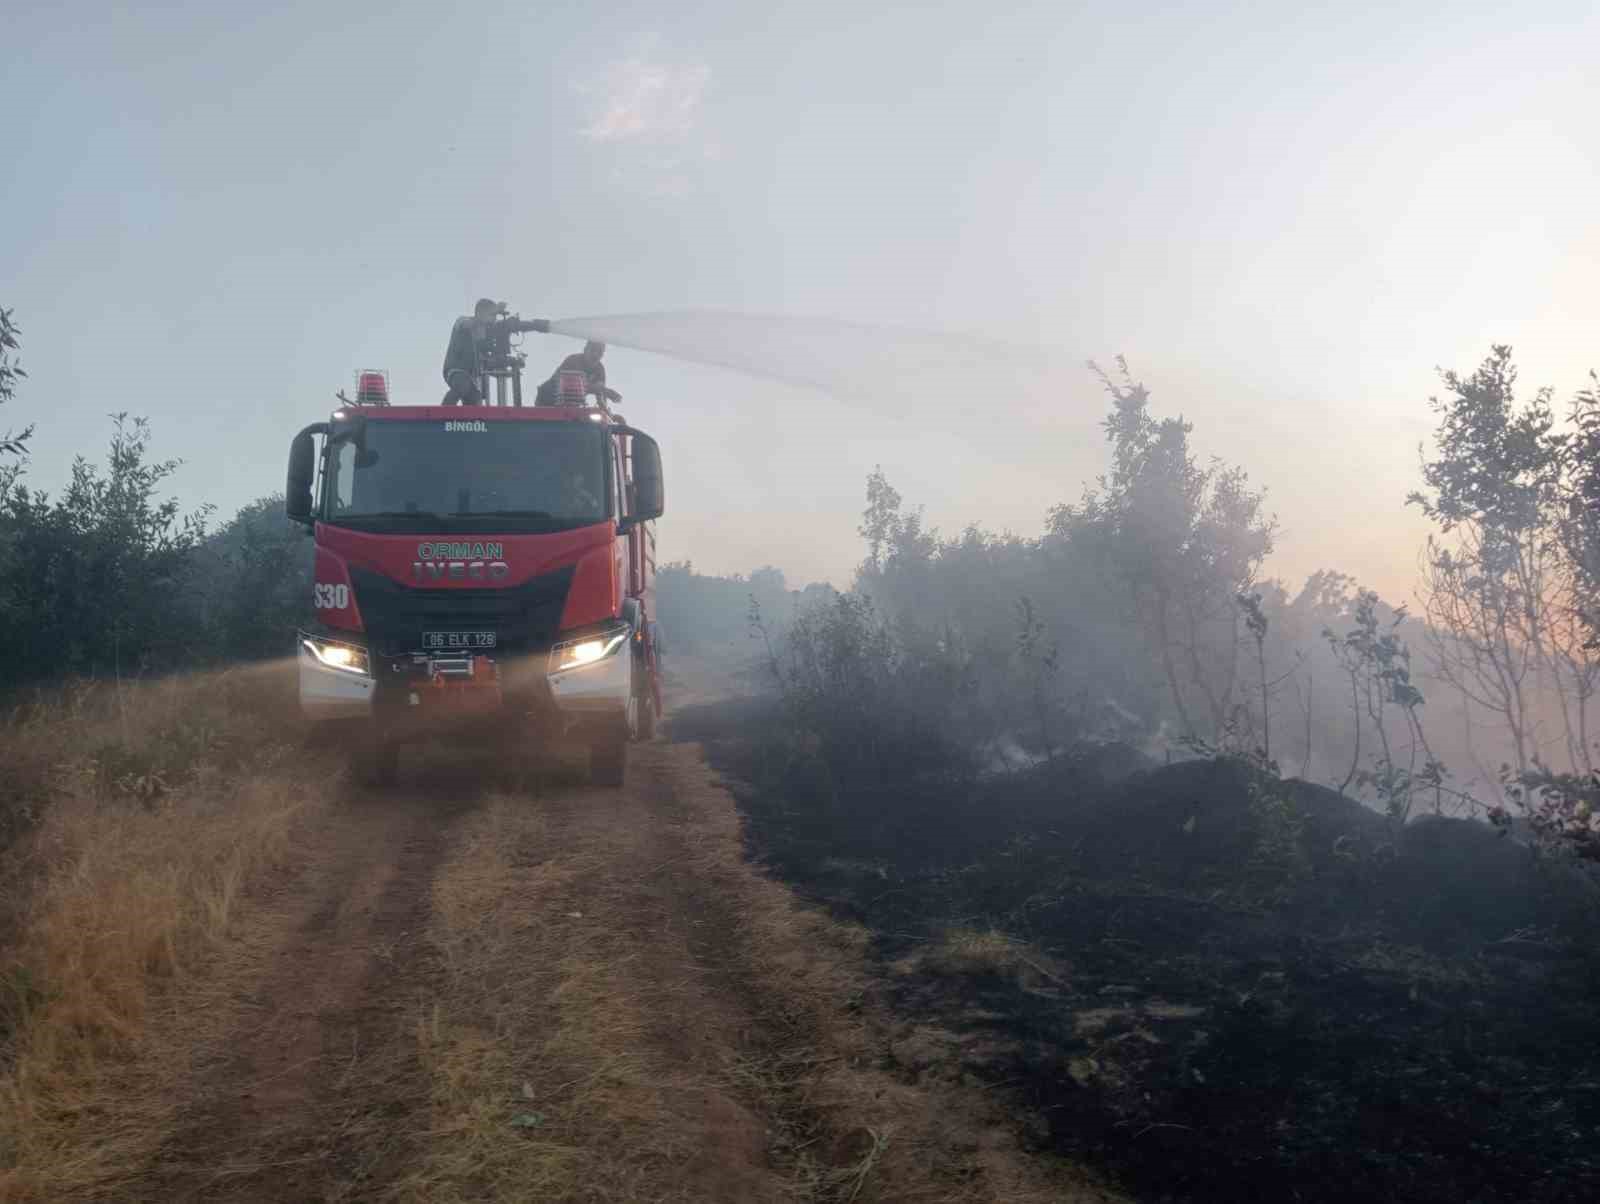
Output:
x,y
591,672
335,679
587,675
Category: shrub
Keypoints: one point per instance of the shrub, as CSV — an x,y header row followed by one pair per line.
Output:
x,y
873,707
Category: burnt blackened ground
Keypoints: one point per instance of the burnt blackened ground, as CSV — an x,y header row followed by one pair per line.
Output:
x,y
1213,990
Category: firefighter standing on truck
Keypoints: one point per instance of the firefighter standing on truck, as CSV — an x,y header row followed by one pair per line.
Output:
x,y
461,357
589,361
486,333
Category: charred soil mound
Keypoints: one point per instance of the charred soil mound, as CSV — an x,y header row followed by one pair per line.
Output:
x,y
1216,986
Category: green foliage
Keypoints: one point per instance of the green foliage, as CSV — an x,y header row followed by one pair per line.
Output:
x,y
1037,624
1496,466
1141,614
1146,616
881,523
872,708
96,580
1506,581
1377,662
1039,658
1278,862
10,373
1183,541
111,579
701,613
255,575
1257,624
1561,810
1580,509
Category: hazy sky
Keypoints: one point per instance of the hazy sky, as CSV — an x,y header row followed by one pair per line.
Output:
x,y
214,214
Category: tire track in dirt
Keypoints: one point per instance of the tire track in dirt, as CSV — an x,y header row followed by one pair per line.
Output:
x,y
727,1026
305,1069
620,1030
633,1013
699,1019
455,993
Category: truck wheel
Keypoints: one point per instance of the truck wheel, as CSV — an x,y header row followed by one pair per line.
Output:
x,y
608,761
643,726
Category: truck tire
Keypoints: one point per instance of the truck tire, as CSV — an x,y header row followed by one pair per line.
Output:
x,y
644,724
608,761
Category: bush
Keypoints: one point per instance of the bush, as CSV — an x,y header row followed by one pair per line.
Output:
x,y
255,577
873,709
96,581
134,742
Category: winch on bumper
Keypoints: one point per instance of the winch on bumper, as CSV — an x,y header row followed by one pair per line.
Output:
x,y
586,675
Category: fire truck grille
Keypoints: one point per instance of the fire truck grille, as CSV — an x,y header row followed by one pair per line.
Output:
x,y
524,618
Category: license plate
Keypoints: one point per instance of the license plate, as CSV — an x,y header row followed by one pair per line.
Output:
x,y
456,640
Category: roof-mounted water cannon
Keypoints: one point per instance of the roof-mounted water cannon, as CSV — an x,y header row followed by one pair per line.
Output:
x,y
499,361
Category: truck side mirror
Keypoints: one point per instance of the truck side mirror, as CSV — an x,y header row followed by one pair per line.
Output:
x,y
649,494
302,471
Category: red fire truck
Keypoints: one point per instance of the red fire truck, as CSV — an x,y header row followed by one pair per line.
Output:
x,y
492,564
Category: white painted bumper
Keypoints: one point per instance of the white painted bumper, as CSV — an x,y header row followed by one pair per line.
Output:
x,y
602,688
332,693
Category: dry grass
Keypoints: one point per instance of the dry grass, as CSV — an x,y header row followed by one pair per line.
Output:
x,y
611,1004
145,812
553,1073
873,1137
629,1011
975,953
136,740
468,1034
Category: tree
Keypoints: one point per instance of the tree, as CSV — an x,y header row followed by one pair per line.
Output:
x,y
1257,624
1184,541
1580,520
1499,591
707,614
875,710
900,551
881,520
10,372
1377,662
98,579
254,576
1039,658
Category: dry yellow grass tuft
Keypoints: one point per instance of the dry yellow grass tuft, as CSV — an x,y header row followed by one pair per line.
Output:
x,y
145,812
972,952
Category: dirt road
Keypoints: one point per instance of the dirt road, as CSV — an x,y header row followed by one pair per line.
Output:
x,y
469,989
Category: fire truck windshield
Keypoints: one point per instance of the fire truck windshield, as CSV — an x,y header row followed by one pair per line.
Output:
x,y
468,477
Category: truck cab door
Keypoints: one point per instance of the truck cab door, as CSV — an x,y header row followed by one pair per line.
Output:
x,y
622,547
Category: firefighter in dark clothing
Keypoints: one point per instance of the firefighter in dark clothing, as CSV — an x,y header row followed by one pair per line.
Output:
x,y
483,343
589,361
461,357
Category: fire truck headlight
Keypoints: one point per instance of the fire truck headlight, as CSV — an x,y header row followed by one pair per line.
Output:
x,y
345,657
574,654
